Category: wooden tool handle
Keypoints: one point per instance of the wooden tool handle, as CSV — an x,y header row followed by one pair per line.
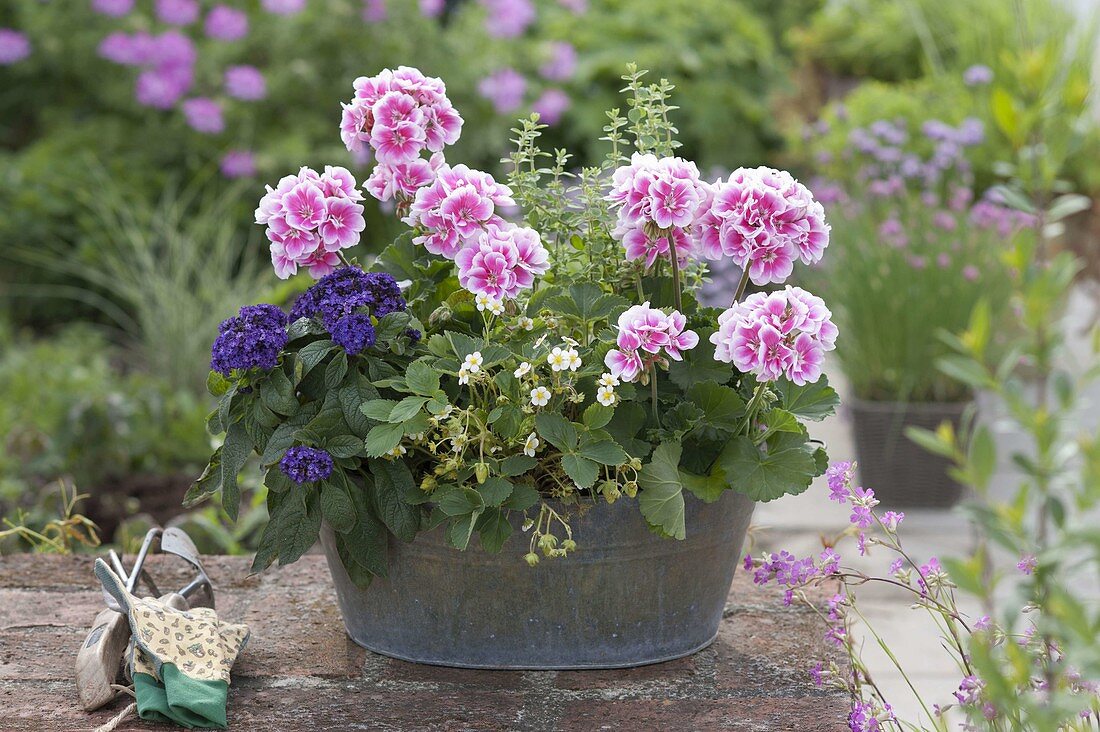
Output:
x,y
97,662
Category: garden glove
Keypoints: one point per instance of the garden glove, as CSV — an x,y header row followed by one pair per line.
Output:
x,y
180,660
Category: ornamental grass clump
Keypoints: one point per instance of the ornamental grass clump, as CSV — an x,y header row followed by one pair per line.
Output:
x,y
530,348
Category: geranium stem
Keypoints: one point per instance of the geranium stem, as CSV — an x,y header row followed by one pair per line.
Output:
x,y
741,286
676,287
653,392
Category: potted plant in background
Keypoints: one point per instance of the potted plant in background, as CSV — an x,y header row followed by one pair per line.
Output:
x,y
918,251
541,388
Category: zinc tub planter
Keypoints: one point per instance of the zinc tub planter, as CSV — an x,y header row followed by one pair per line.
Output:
x,y
626,597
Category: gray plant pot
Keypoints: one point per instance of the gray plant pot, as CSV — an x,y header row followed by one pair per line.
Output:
x,y
626,597
902,473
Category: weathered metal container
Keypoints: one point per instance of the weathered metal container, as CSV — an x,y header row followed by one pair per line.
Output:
x,y
626,598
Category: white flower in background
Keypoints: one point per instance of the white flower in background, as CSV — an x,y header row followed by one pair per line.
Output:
x,y
523,370
496,307
483,302
558,359
463,375
572,359
526,323
396,452
540,396
605,395
609,380
473,362
531,445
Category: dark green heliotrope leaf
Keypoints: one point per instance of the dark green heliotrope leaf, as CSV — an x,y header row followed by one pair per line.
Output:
x,y
661,497
786,468
812,401
313,353
217,384
235,451
303,327
298,524
392,482
344,446
336,506
281,439
582,470
336,370
355,392
556,430
367,544
494,529
722,407
207,484
277,393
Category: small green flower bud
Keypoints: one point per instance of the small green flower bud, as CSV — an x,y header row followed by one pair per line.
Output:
x,y
630,488
481,471
547,542
636,463
531,558
569,545
428,484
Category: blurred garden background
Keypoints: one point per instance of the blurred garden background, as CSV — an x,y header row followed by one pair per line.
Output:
x,y
136,137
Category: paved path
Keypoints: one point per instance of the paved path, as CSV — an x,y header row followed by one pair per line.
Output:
x,y
300,671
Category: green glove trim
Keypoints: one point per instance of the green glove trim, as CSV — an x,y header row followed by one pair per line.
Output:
x,y
188,702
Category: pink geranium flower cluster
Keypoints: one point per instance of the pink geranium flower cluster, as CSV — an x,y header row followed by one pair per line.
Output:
x,y
644,333
399,114
655,196
310,218
457,208
762,219
504,260
784,333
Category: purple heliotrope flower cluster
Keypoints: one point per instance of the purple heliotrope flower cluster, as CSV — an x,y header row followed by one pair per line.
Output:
x,y
338,301
306,464
346,290
252,339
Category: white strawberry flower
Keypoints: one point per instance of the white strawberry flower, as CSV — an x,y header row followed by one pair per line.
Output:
x,y
540,396
572,359
483,302
473,362
605,395
496,307
609,380
463,375
526,323
396,452
531,445
523,370
558,359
